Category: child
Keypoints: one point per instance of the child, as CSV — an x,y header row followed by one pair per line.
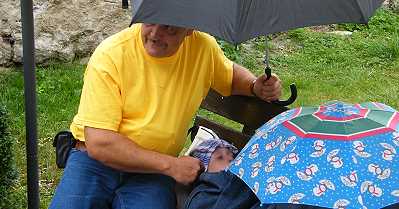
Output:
x,y
214,153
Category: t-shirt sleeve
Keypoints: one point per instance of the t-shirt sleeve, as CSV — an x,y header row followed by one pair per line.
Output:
x,y
100,103
223,71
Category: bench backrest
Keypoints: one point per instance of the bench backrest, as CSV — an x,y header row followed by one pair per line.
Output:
x,y
251,112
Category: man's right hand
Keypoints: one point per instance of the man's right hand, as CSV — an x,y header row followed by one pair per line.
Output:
x,y
185,169
123,154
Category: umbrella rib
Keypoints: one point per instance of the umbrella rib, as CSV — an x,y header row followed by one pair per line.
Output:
x,y
393,120
379,129
361,12
369,132
236,21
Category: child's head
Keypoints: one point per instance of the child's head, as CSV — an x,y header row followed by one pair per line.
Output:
x,y
215,154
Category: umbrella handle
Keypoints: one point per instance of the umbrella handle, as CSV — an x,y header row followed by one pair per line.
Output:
x,y
294,92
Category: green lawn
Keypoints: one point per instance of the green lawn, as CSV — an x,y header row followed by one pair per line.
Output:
x,y
58,91
357,68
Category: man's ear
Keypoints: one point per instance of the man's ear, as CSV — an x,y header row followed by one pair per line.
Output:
x,y
189,32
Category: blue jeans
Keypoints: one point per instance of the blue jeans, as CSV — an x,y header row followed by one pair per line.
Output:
x,y
225,190
221,190
87,183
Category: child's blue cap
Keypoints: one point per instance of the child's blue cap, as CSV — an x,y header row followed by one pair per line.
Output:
x,y
204,150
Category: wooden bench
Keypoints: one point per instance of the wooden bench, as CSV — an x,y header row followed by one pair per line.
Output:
x,y
250,112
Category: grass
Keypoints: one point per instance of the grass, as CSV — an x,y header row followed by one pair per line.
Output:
x,y
357,68
58,91
324,66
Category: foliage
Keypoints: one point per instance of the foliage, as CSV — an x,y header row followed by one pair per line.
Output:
x,y
231,51
385,21
8,170
382,21
58,90
352,27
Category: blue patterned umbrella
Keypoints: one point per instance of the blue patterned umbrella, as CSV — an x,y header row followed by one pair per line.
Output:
x,y
337,155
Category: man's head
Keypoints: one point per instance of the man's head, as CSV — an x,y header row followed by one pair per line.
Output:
x,y
162,40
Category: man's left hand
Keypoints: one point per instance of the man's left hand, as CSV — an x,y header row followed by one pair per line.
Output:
x,y
267,89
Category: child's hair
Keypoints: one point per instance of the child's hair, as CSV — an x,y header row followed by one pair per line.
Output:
x,y
204,150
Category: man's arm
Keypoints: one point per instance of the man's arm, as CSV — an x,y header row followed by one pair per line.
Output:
x,y
268,90
119,152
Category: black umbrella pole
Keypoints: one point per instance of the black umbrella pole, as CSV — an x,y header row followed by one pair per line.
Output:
x,y
30,103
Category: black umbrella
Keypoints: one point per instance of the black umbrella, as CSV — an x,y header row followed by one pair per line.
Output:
x,y
30,103
239,20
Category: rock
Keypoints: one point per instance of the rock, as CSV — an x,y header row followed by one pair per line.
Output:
x,y
64,30
341,33
6,49
392,4
84,61
3,69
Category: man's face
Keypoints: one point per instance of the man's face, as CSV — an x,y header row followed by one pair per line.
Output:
x,y
162,40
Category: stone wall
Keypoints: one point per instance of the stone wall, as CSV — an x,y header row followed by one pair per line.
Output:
x,y
394,5
67,29
64,29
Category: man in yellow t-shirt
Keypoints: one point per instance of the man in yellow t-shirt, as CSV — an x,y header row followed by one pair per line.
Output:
x,y
142,86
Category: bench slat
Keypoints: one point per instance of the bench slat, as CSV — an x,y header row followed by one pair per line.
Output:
x,y
249,111
237,138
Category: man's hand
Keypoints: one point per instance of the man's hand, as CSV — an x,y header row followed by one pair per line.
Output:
x,y
185,169
119,152
268,90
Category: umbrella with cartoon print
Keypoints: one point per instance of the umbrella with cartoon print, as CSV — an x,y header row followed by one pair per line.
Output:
x,y
335,155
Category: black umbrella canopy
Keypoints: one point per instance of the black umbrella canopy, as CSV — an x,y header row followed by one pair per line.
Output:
x,y
239,20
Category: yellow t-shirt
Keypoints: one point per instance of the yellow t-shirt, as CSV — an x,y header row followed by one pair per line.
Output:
x,y
150,100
